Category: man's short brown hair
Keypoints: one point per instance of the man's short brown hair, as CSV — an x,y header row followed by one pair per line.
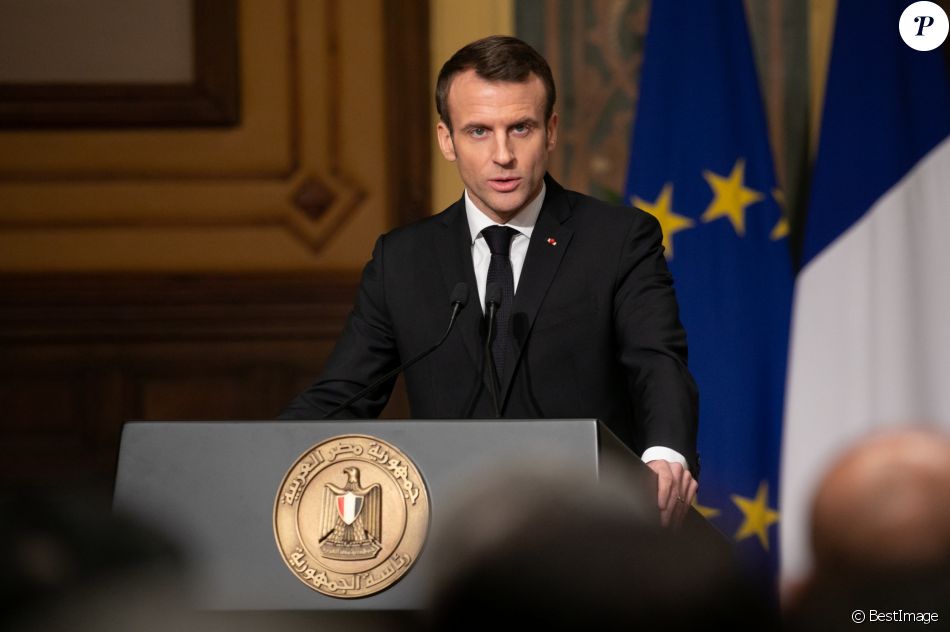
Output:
x,y
495,58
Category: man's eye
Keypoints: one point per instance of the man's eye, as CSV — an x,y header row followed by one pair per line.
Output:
x,y
521,128
477,132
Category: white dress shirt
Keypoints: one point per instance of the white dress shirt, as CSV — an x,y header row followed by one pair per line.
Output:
x,y
524,223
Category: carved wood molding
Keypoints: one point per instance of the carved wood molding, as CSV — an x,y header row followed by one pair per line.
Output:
x,y
281,168
212,99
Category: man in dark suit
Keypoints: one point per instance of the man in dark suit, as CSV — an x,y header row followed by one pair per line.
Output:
x,y
587,323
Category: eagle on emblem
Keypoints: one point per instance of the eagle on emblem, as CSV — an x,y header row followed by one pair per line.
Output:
x,y
351,526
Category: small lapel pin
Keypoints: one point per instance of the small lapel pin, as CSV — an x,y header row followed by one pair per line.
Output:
x,y
552,241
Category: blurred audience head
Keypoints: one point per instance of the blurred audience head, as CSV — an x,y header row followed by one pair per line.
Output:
x,y
561,552
66,561
885,505
880,530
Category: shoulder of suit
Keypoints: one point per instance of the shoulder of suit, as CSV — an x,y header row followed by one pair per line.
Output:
x,y
586,206
419,227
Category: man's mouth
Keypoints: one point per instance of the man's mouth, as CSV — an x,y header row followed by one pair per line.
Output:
x,y
504,185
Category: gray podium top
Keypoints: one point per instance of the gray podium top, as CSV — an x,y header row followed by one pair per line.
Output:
x,y
212,486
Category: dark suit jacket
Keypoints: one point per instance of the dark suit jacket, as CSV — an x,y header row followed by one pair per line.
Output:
x,y
595,331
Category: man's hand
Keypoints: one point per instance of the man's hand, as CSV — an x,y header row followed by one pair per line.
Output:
x,y
676,490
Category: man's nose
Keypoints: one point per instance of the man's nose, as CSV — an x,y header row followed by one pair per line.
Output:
x,y
502,151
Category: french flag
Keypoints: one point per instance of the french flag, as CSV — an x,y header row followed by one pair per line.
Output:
x,y
870,340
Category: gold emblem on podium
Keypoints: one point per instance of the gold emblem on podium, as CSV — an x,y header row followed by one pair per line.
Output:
x,y
351,516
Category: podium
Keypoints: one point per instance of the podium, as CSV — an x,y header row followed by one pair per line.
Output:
x,y
212,487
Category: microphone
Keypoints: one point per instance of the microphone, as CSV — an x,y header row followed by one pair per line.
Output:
x,y
492,303
458,300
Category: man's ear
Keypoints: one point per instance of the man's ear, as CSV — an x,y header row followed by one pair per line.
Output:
x,y
551,130
446,145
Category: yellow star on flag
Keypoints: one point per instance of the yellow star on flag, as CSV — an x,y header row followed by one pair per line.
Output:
x,y
662,210
731,197
706,512
757,516
781,228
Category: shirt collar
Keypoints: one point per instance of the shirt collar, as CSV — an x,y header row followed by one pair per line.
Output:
x,y
523,222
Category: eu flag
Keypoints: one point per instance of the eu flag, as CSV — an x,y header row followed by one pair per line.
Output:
x,y
700,163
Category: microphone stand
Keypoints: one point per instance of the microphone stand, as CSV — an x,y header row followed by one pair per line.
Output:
x,y
460,297
493,305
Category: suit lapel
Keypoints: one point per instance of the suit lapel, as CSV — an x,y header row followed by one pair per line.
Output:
x,y
549,242
454,248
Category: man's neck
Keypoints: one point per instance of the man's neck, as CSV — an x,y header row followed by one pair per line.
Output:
x,y
523,221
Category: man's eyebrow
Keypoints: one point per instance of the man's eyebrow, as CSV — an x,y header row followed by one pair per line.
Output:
x,y
528,120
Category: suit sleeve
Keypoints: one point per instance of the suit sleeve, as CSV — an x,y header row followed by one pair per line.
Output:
x,y
365,351
652,344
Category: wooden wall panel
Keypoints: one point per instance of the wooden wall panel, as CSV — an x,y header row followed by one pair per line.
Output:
x,y
200,272
79,356
300,180
134,64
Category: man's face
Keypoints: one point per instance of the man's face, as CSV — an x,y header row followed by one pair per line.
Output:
x,y
500,141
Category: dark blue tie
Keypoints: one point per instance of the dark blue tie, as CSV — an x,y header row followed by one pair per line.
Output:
x,y
499,271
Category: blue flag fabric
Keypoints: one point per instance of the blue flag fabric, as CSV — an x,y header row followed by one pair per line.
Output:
x,y
700,163
886,106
